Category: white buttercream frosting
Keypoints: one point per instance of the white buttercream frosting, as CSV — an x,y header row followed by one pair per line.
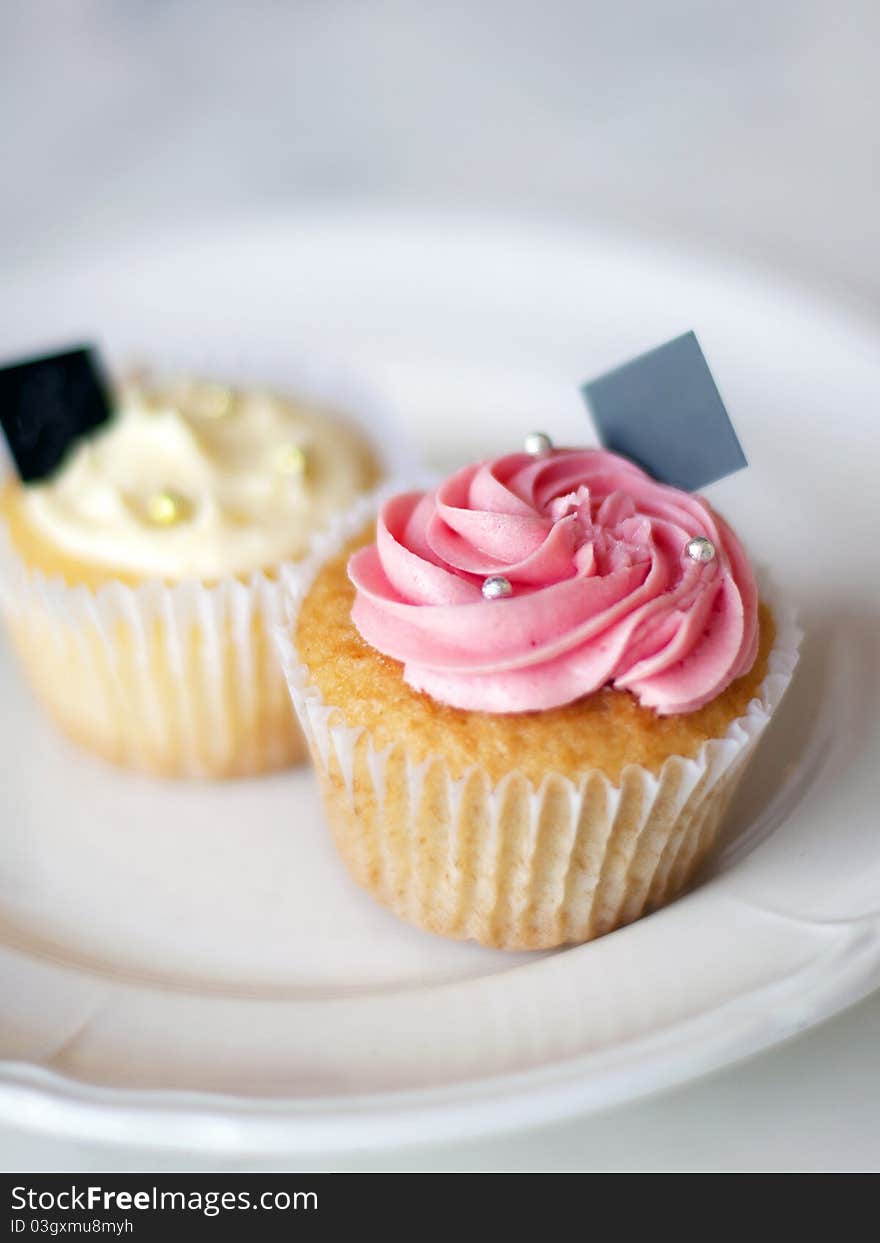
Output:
x,y
253,475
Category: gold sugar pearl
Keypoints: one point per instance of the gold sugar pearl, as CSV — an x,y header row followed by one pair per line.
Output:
x,y
211,401
167,508
291,460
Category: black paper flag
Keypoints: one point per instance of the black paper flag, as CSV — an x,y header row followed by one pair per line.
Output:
x,y
46,404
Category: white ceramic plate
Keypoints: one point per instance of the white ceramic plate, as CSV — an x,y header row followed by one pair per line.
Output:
x,y
189,965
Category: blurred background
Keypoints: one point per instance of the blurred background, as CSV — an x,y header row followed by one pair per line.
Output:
x,y
733,126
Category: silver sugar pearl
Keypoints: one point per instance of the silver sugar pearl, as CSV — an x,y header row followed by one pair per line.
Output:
x,y
291,460
538,443
700,549
496,587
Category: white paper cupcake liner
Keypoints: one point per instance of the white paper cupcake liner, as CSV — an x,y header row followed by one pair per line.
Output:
x,y
506,862
178,680
175,680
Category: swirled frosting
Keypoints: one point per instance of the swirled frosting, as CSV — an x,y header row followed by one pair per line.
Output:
x,y
604,592
251,476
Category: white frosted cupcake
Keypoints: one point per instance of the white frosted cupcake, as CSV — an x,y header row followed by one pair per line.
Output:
x,y
139,582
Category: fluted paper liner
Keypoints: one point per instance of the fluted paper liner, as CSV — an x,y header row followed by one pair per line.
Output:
x,y
178,680
507,863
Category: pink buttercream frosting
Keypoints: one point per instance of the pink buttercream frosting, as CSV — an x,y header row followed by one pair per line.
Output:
x,y
603,590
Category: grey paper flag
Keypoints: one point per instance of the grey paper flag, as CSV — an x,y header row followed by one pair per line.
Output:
x,y
664,411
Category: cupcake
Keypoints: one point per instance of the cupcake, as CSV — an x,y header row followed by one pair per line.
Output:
x,y
139,580
530,693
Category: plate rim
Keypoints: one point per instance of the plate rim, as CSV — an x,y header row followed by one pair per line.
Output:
x,y
47,1101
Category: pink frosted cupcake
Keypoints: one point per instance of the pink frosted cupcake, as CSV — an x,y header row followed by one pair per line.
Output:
x,y
530,693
